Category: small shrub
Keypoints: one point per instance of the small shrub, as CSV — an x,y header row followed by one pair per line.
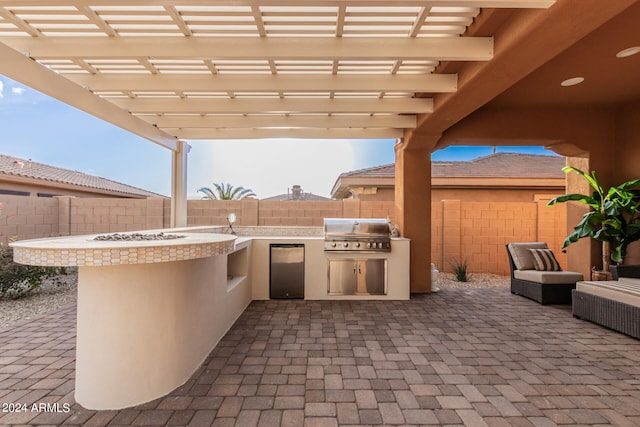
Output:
x,y
460,270
18,280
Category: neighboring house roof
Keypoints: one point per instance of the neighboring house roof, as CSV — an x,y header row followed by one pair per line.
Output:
x,y
287,197
297,194
27,171
497,165
514,165
378,171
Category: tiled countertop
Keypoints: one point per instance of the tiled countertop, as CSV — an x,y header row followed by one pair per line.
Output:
x,y
84,251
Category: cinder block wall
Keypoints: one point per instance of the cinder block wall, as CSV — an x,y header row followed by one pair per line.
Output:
x,y
102,215
477,232
298,213
473,231
290,213
27,218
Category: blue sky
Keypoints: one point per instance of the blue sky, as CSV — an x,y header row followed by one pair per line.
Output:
x,y
37,127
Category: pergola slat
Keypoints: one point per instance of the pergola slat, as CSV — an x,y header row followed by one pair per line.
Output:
x,y
269,82
310,133
291,121
275,105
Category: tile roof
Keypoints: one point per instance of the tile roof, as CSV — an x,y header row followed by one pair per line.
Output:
x,y
297,194
305,197
514,165
14,166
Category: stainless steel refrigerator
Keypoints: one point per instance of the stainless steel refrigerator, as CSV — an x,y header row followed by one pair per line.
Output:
x,y
286,270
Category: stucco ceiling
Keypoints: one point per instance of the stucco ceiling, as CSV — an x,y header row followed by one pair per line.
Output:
x,y
609,81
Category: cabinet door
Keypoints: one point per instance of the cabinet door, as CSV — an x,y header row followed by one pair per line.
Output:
x,y
357,277
342,276
372,277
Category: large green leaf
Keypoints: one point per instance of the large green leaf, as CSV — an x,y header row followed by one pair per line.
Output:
x,y
591,179
629,184
574,198
616,254
615,217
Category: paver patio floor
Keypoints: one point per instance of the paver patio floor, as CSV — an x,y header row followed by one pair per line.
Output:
x,y
459,357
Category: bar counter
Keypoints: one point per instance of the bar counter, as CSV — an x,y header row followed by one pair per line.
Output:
x,y
149,312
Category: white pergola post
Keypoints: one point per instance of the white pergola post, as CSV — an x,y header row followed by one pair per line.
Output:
x,y
179,185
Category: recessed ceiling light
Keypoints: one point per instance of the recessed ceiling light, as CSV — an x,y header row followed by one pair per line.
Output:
x,y
628,52
572,82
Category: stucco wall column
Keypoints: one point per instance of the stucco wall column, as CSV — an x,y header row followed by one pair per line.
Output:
x,y
179,185
413,210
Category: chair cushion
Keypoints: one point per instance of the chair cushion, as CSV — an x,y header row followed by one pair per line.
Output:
x,y
545,260
522,256
548,277
634,281
625,291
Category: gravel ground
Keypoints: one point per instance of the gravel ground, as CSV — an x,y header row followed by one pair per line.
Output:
x,y
52,295
476,280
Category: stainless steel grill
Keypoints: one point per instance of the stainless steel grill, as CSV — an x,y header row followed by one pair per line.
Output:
x,y
357,235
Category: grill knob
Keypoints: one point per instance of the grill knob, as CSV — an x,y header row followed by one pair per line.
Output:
x,y
380,245
346,244
357,244
368,244
333,245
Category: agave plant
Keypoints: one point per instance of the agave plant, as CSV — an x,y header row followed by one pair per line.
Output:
x,y
460,270
614,218
226,192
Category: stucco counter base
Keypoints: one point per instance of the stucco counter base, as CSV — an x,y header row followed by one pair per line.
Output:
x,y
145,322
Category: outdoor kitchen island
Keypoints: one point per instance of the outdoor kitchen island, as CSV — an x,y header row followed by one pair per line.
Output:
x,y
149,311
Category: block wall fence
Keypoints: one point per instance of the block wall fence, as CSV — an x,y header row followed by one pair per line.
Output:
x,y
475,232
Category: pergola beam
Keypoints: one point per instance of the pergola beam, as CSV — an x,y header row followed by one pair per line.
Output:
x,y
28,72
274,105
432,83
251,48
335,133
286,121
378,3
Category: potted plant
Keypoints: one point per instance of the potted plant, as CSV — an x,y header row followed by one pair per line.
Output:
x,y
614,219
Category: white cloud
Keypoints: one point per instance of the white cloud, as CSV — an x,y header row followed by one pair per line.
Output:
x,y
1,89
269,167
17,90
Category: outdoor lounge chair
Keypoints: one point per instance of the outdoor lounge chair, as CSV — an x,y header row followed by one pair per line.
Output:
x,y
631,270
612,304
547,283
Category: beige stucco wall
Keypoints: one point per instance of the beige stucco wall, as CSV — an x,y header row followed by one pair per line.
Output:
x,y
34,186
380,194
488,194
143,329
628,158
470,194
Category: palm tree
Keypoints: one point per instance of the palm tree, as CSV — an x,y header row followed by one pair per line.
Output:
x,y
226,192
